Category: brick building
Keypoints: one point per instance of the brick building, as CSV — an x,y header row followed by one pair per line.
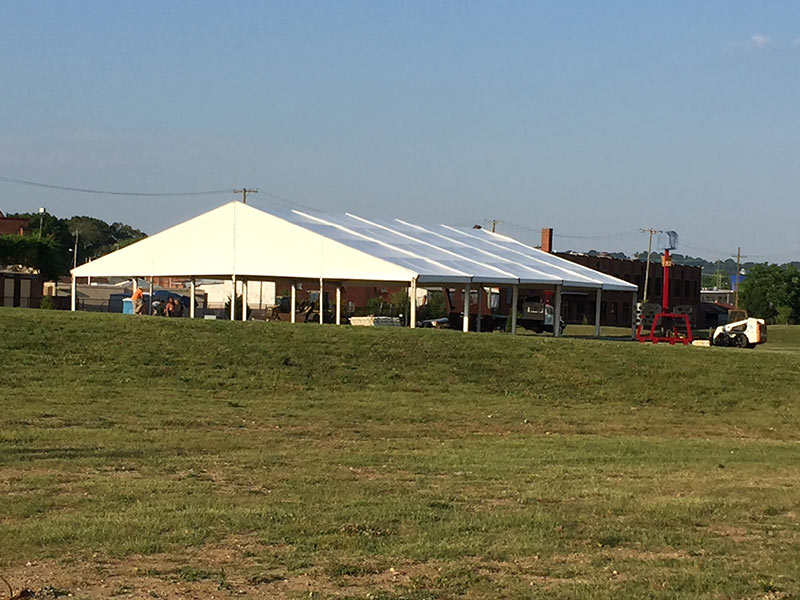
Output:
x,y
615,307
10,226
19,285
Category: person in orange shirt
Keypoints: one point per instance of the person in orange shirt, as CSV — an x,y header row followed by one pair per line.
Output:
x,y
138,301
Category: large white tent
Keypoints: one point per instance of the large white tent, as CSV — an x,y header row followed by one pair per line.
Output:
x,y
239,242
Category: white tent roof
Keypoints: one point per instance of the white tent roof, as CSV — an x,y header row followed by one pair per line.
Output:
x,y
239,239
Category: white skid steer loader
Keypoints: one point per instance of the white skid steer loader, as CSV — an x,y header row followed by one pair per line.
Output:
x,y
747,333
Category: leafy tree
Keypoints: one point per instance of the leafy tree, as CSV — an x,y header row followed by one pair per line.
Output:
x,y
434,308
792,276
376,306
59,256
400,303
41,254
51,226
94,236
772,292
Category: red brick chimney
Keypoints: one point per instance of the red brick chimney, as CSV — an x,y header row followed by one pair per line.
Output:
x,y
547,240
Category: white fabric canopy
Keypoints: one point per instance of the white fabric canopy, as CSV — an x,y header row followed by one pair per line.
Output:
x,y
240,240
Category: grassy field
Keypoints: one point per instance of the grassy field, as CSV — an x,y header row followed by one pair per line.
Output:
x,y
147,458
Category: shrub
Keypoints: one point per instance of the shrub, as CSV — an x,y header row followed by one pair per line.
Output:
x,y
783,315
47,303
238,307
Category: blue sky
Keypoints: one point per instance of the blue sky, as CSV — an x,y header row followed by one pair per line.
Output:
x,y
592,118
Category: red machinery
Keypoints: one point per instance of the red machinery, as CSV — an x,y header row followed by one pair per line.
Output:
x,y
667,326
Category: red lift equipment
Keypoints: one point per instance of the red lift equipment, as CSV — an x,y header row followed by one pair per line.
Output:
x,y
669,327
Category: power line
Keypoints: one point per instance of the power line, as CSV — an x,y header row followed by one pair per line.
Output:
x,y
576,237
597,237
286,201
729,253
109,192
282,199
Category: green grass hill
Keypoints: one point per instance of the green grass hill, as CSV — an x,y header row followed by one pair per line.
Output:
x,y
148,457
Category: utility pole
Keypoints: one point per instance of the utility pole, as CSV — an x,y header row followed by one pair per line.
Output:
x,y
651,231
244,191
42,211
739,258
75,251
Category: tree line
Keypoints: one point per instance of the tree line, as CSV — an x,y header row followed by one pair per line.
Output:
x,y
772,292
52,245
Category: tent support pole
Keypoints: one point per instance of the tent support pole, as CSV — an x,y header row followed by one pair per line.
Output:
x,y
233,298
74,295
339,304
465,320
514,301
480,309
321,303
150,299
634,300
293,307
244,299
598,299
557,314
412,304
191,298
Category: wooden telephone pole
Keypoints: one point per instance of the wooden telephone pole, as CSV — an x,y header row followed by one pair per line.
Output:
x,y
244,191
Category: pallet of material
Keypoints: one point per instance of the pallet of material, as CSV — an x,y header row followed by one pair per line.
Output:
x,y
373,321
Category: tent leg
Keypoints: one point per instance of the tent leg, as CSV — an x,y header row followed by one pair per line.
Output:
x,y
74,295
465,320
293,307
244,299
557,314
412,304
191,299
514,301
321,300
338,304
480,310
597,303
634,300
150,300
233,298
